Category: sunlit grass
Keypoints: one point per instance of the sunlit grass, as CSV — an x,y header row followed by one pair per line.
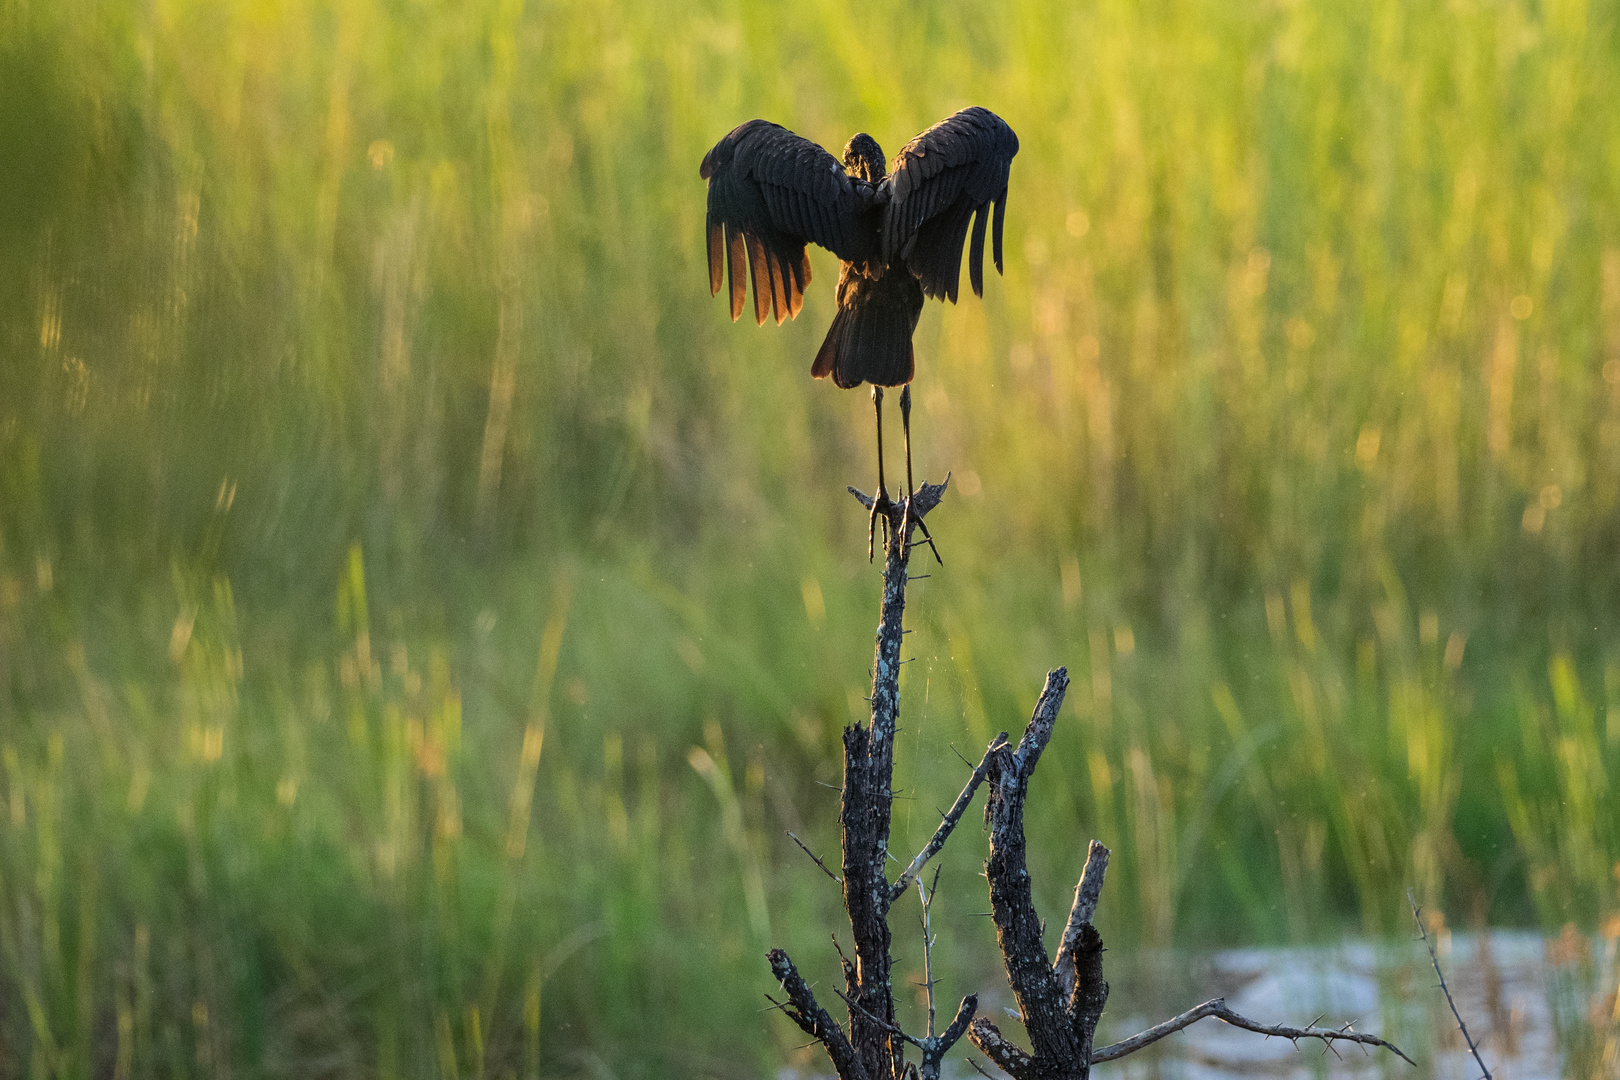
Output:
x,y
422,611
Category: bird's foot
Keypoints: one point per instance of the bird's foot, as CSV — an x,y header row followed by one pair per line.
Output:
x,y
910,516
907,523
881,505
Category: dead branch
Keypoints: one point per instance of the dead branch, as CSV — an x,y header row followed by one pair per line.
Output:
x,y
875,1044
1060,1004
813,1019
1417,916
1087,891
1018,928
1218,1008
1059,1001
867,802
952,816
1008,1056
816,859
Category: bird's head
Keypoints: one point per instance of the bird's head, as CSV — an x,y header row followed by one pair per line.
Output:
x,y
863,158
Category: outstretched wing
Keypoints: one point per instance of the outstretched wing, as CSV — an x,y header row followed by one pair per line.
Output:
x,y
777,192
940,180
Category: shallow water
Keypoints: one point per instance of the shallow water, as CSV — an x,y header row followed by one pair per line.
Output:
x,y
1501,985
1509,986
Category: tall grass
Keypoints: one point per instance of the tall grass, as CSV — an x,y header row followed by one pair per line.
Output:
x,y
422,611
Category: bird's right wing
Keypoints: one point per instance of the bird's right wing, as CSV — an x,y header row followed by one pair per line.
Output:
x,y
941,179
778,191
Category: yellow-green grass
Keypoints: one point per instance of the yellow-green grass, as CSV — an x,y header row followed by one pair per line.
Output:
x,y
422,612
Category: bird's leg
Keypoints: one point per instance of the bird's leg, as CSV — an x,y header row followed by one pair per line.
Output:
x,y
880,501
905,518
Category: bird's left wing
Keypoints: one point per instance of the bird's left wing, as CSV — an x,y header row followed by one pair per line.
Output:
x,y
940,180
778,191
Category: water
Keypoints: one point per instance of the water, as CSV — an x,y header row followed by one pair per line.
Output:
x,y
1515,990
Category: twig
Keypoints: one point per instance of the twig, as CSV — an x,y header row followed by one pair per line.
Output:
x,y
927,897
816,859
952,816
1417,916
1218,1008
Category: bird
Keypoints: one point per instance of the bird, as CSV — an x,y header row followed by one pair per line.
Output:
x,y
898,232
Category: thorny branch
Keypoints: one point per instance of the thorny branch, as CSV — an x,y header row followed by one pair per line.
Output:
x,y
952,816
1417,916
816,859
927,898
813,1020
1218,1008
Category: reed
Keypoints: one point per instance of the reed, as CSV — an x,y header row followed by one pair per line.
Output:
x,y
418,602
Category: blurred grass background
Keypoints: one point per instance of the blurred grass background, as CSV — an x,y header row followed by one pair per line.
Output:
x,y
422,611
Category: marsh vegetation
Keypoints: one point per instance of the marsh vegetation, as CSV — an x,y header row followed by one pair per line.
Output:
x,y
423,612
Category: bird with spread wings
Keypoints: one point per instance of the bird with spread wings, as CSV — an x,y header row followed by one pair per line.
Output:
x,y
898,233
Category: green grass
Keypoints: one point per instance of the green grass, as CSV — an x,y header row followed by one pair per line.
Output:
x,y
422,611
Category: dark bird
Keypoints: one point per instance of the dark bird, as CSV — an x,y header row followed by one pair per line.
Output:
x,y
899,234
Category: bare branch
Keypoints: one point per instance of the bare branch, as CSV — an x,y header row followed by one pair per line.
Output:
x,y
813,1019
816,859
1041,722
1417,916
1086,893
927,897
952,816
1218,1008
959,1026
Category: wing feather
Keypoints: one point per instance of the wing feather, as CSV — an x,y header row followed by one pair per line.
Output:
x,y
736,259
981,218
758,274
779,192
940,181
717,253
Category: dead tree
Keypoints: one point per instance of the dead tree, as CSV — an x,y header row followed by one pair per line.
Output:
x,y
1059,1000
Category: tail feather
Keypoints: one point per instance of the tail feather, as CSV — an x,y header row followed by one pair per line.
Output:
x,y
826,361
870,337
